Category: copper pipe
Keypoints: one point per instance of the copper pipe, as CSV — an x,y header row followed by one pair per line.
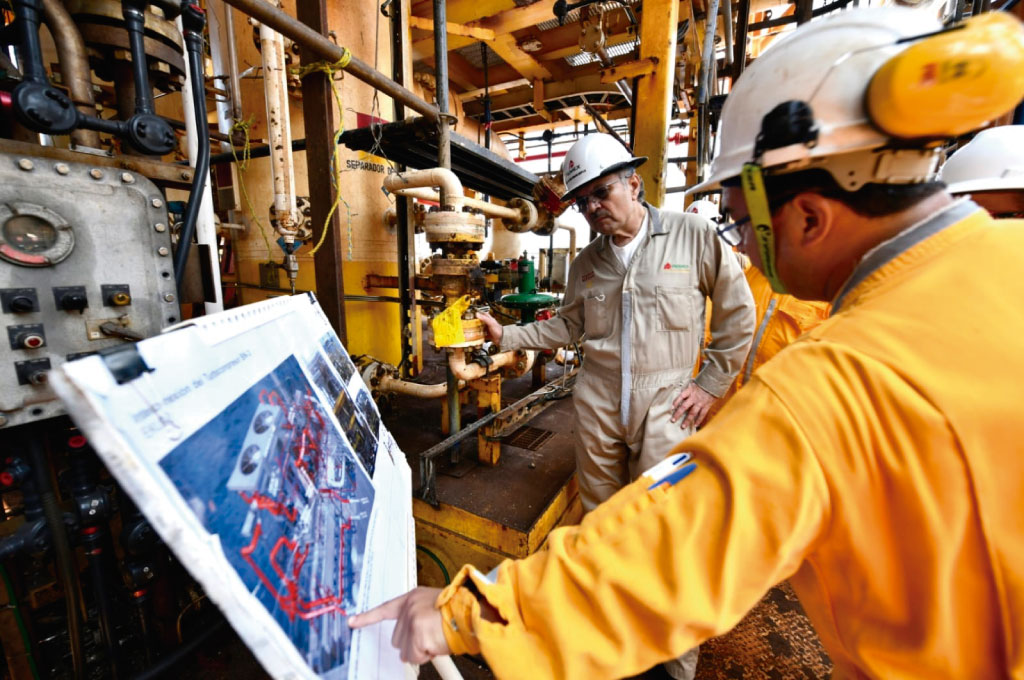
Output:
x,y
74,66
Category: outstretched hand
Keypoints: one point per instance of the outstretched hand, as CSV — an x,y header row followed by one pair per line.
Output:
x,y
419,635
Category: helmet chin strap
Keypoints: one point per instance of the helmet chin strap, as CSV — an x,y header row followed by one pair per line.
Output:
x,y
756,198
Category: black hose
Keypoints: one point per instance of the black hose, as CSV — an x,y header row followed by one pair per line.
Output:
x,y
134,15
194,45
61,548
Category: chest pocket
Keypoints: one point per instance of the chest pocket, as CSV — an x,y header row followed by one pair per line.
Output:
x,y
597,316
675,308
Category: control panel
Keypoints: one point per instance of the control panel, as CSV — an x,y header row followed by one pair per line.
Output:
x,y
85,264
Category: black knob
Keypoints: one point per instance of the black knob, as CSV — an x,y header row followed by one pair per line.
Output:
x,y
20,304
73,302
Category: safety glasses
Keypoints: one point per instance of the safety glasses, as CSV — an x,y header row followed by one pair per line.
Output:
x,y
599,194
731,232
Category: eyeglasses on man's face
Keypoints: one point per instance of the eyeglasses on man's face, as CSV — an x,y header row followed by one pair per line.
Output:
x,y
732,232
599,194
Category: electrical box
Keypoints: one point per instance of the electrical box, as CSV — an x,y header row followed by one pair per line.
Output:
x,y
85,264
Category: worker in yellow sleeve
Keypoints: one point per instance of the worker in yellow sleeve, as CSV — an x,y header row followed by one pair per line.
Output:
x,y
781,319
877,461
990,169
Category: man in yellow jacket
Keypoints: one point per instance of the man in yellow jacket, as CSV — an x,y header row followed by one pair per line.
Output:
x,y
876,462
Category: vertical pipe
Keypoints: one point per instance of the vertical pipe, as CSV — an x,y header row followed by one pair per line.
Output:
x,y
708,55
276,86
444,150
740,46
74,67
206,229
444,160
406,280
727,8
35,443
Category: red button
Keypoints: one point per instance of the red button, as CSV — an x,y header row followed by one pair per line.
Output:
x,y
34,341
76,442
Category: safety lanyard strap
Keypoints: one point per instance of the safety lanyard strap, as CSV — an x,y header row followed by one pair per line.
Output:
x,y
761,221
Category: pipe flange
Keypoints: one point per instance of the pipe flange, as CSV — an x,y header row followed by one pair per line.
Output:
x,y
528,216
454,227
450,266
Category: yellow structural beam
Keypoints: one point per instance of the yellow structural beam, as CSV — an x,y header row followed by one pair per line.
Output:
x,y
475,32
653,96
629,69
523,63
502,23
495,89
538,100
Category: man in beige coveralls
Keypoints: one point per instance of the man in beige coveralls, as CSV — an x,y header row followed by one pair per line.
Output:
x,y
636,297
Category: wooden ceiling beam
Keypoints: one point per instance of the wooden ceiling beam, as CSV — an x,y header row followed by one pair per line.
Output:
x,y
474,32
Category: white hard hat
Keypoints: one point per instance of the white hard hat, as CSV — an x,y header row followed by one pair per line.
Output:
x,y
992,161
800,105
704,208
594,156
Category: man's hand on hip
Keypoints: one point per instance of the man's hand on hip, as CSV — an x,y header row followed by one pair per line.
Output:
x,y
419,635
693,403
494,329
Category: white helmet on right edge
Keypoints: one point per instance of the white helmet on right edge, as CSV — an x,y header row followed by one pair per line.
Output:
x,y
992,161
801,104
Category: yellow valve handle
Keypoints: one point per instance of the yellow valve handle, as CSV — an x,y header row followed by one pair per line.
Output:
x,y
448,324
761,222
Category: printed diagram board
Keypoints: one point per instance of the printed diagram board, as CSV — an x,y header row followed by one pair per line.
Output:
x,y
252,445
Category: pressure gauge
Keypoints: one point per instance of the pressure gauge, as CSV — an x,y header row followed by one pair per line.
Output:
x,y
33,236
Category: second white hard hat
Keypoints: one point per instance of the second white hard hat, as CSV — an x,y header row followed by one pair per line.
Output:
x,y
704,208
992,161
594,156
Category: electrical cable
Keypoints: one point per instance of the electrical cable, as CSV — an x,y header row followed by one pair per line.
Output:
x,y
193,21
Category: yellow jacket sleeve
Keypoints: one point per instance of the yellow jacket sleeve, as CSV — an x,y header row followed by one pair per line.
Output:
x,y
669,561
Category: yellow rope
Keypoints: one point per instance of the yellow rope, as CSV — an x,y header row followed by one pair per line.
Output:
x,y
330,69
243,165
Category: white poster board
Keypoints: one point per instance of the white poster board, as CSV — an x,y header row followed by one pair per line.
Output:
x,y
251,443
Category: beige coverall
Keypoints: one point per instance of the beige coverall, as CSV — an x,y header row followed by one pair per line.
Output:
x,y
642,330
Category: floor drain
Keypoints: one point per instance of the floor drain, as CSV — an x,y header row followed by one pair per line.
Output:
x,y
529,438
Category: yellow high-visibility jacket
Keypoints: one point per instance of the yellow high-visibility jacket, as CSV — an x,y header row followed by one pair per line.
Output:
x,y
781,319
877,462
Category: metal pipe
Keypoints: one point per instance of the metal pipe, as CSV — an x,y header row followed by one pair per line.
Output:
x,y
282,166
419,390
444,140
74,66
135,21
727,7
206,223
740,45
490,209
320,46
572,239
709,53
520,360
66,569
451,187
624,88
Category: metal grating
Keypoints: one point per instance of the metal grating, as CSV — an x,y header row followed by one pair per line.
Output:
x,y
471,53
582,58
529,438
